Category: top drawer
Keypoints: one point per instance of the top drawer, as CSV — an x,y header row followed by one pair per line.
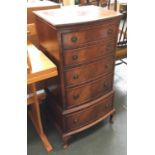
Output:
x,y
78,38
85,54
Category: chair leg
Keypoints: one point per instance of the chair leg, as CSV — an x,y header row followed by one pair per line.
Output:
x,y
40,132
122,62
34,114
65,141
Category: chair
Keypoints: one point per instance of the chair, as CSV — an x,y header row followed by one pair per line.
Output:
x,y
121,51
102,3
39,68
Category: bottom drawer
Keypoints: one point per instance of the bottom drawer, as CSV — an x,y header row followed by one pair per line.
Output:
x,y
90,114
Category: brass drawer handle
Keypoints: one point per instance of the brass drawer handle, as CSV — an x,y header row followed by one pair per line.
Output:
x,y
75,57
110,31
76,96
75,76
74,39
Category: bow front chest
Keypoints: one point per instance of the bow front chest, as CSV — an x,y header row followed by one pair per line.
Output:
x,y
81,41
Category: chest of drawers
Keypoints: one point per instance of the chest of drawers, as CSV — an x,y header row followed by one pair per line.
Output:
x,y
83,49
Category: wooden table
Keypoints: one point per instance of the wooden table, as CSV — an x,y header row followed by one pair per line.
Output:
x,y
41,68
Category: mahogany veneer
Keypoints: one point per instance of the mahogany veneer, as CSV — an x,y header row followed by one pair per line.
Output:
x,y
82,43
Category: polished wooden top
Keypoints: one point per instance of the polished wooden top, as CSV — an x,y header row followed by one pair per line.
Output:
x,y
42,66
40,4
75,14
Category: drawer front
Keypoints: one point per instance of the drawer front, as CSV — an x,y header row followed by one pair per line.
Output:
x,y
79,95
88,53
79,38
86,116
89,71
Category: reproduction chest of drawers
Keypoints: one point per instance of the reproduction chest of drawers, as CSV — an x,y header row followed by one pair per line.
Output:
x,y
82,42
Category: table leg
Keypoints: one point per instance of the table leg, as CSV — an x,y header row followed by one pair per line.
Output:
x,y
34,114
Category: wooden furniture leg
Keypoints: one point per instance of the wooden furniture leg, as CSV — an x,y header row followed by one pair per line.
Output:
x,y
34,114
65,140
111,120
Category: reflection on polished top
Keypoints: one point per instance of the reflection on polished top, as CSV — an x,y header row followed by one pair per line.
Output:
x,y
40,4
75,14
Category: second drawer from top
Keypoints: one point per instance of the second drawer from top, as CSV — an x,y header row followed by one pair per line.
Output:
x,y
85,54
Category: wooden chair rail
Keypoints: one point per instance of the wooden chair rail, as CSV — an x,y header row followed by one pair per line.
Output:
x,y
30,99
